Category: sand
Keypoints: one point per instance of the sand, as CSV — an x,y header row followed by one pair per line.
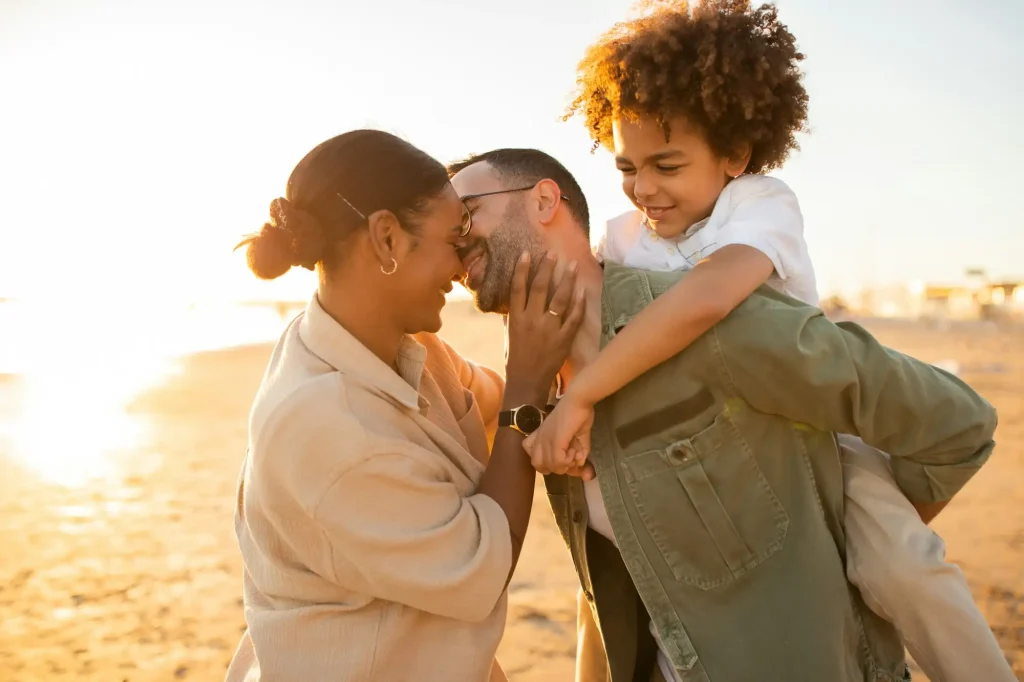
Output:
x,y
137,577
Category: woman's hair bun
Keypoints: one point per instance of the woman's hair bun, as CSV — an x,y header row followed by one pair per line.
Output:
x,y
291,237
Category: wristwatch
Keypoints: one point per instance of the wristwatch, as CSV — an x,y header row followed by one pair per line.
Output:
x,y
525,419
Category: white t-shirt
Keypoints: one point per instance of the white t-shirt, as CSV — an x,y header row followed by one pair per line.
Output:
x,y
756,210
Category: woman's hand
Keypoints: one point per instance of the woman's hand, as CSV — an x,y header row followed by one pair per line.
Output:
x,y
537,345
540,334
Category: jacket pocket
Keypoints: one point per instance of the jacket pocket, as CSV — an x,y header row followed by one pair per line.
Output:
x,y
707,505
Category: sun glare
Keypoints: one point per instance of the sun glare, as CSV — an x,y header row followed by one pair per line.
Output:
x,y
73,378
70,426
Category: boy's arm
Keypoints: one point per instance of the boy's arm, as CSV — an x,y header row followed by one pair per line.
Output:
x,y
674,320
764,233
788,359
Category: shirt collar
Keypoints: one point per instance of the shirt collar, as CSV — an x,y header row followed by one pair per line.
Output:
x,y
687,233
333,344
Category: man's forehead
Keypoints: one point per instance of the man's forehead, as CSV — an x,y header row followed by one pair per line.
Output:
x,y
476,179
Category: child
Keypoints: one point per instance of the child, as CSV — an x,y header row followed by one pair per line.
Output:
x,y
697,104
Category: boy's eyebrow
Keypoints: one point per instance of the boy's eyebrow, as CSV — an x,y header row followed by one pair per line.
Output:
x,y
661,156
653,158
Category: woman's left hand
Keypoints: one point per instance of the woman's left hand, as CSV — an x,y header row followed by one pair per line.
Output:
x,y
540,334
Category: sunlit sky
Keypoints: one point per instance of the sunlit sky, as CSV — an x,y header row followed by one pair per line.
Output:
x,y
140,139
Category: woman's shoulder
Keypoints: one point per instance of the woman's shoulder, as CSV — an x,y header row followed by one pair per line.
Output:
x,y
330,427
445,364
306,412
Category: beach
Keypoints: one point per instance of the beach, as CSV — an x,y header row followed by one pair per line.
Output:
x,y
135,575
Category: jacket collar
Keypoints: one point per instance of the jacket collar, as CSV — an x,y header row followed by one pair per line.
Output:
x,y
627,291
333,344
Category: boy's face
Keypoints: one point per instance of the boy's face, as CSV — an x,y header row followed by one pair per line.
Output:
x,y
675,182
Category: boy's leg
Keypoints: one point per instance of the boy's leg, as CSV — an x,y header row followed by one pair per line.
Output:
x,y
899,565
657,676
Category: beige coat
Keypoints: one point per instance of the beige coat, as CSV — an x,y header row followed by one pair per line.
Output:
x,y
368,556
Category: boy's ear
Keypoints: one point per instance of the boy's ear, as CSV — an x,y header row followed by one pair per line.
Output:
x,y
736,165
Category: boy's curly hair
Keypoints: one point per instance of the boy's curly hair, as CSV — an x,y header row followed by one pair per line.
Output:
x,y
729,69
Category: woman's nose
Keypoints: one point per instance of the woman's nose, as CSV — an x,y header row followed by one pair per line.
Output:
x,y
460,271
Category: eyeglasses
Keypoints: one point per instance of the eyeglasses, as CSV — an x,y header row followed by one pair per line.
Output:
x,y
467,221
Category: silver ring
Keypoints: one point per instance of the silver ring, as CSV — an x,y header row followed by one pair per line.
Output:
x,y
554,313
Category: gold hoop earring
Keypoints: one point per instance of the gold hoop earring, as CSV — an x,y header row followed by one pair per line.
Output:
x,y
394,266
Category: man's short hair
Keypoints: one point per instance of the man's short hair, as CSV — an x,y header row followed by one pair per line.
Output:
x,y
530,166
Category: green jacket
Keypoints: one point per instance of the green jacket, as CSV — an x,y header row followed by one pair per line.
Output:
x,y
721,477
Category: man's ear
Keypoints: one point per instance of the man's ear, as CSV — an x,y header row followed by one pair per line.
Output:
x,y
545,198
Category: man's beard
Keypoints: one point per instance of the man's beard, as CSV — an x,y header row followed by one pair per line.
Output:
x,y
502,250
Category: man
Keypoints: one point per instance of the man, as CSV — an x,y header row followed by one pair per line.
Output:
x,y
719,469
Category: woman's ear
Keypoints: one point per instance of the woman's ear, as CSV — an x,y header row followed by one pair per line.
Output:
x,y
384,230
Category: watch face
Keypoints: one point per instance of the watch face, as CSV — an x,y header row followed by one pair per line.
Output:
x,y
528,418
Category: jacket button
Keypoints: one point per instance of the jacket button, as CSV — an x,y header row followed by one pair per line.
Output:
x,y
588,595
577,516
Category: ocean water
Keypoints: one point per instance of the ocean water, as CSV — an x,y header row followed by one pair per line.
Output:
x,y
38,334
68,373
35,337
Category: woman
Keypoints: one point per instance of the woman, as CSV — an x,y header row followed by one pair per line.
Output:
x,y
377,535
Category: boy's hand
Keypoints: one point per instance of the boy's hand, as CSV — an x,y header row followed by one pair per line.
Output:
x,y
562,443
586,472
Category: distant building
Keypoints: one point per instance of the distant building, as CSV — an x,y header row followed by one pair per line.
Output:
x,y
977,298
891,300
950,303
1004,301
